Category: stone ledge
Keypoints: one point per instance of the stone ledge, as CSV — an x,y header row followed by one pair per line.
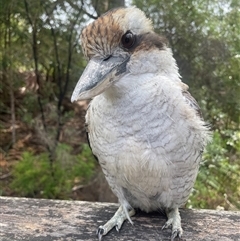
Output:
x,y
55,220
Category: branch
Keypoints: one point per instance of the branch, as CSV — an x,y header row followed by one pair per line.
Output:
x,y
61,96
56,51
35,56
75,6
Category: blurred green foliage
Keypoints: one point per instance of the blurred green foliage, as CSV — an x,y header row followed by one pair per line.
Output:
x,y
36,176
218,182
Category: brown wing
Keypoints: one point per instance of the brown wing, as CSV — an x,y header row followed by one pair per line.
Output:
x,y
190,100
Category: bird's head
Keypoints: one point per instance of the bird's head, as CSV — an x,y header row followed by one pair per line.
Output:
x,y
115,44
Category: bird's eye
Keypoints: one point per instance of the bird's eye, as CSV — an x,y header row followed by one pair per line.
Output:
x,y
128,40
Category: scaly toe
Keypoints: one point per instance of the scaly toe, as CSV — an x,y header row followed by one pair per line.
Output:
x,y
116,221
100,232
167,224
176,233
117,228
174,219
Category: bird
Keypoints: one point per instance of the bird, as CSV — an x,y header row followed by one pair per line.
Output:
x,y
143,125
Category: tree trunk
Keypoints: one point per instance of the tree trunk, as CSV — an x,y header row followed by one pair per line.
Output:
x,y
105,5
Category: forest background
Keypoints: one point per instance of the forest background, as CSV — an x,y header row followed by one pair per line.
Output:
x,y
42,136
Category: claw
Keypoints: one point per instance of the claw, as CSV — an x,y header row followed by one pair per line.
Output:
x,y
166,225
176,233
116,221
174,220
100,232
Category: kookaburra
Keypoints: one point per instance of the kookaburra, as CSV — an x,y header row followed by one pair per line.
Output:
x,y
143,125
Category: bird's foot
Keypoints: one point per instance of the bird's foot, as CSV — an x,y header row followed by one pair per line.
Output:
x,y
174,219
116,221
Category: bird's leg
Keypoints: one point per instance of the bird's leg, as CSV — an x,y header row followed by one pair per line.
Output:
x,y
174,219
116,221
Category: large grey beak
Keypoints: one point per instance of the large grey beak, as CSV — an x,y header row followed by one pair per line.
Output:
x,y
98,76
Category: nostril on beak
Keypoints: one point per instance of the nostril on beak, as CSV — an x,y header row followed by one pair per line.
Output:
x,y
107,58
